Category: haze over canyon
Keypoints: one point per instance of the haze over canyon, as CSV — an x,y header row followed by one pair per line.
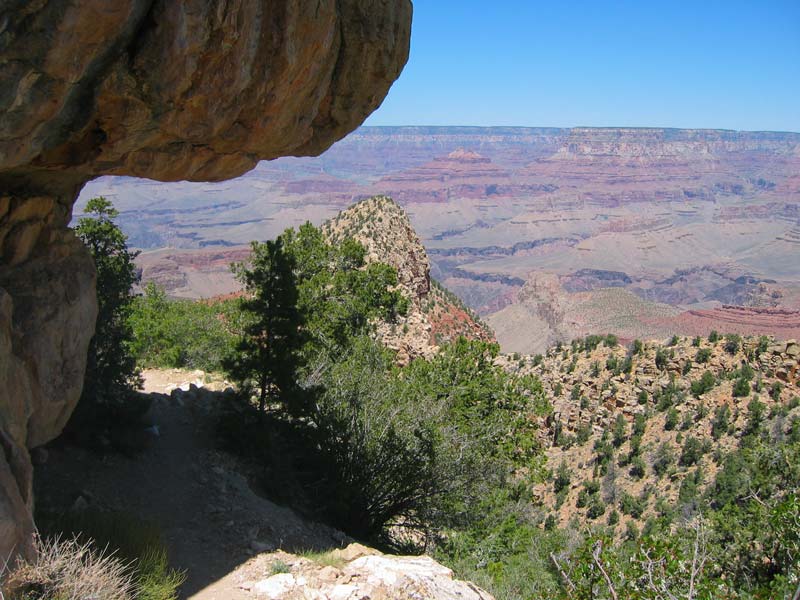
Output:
x,y
548,233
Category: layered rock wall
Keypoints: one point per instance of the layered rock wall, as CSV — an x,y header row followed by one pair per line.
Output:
x,y
198,90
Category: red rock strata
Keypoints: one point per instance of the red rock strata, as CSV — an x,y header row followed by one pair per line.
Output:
x,y
781,323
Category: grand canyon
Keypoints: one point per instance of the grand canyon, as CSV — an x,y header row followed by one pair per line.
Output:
x,y
549,234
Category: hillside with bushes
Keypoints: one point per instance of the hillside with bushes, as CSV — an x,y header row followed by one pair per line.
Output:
x,y
639,434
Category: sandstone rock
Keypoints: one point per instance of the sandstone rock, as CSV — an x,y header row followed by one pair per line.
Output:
x,y
198,90
374,575
277,586
777,348
353,551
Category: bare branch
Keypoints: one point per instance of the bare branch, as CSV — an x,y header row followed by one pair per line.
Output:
x,y
563,574
596,556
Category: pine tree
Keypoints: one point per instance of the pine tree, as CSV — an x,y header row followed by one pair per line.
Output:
x,y
111,365
268,354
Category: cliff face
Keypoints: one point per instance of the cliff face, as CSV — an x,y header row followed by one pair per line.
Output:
x,y
198,90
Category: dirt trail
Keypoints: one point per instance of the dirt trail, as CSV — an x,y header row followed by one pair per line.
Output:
x,y
211,519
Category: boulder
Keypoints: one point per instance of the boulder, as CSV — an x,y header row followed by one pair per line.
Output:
x,y
197,90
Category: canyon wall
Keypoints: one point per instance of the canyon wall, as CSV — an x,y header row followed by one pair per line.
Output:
x,y
198,90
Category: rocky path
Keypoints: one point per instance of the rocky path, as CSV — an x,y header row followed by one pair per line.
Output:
x,y
211,520
231,542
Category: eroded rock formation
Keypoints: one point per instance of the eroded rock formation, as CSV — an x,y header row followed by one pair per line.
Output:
x,y
198,90
434,316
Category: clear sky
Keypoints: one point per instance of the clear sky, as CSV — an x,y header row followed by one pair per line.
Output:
x,y
703,63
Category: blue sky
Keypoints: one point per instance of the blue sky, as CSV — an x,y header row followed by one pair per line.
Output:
x,y
706,63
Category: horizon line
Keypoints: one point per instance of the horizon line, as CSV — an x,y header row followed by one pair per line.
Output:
x,y
633,127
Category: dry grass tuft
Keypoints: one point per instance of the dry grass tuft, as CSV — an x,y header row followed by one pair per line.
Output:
x,y
66,569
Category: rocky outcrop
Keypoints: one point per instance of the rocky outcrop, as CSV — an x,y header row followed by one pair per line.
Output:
x,y
198,90
47,314
352,573
435,316
386,233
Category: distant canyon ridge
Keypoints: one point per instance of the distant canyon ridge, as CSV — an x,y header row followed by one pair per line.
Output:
x,y
548,233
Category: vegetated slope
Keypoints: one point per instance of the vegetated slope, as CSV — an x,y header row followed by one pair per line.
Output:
x,y
434,315
639,433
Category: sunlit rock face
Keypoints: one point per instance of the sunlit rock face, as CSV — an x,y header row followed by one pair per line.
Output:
x,y
198,90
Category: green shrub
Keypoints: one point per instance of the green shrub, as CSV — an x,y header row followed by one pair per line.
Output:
x,y
592,486
189,334
639,424
632,506
741,388
663,459
635,447
596,508
686,423
755,415
703,355
692,451
732,343
638,468
705,384
583,433
619,431
719,425
689,490
604,454
562,477
671,421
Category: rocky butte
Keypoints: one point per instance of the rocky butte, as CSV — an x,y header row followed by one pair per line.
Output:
x,y
198,90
